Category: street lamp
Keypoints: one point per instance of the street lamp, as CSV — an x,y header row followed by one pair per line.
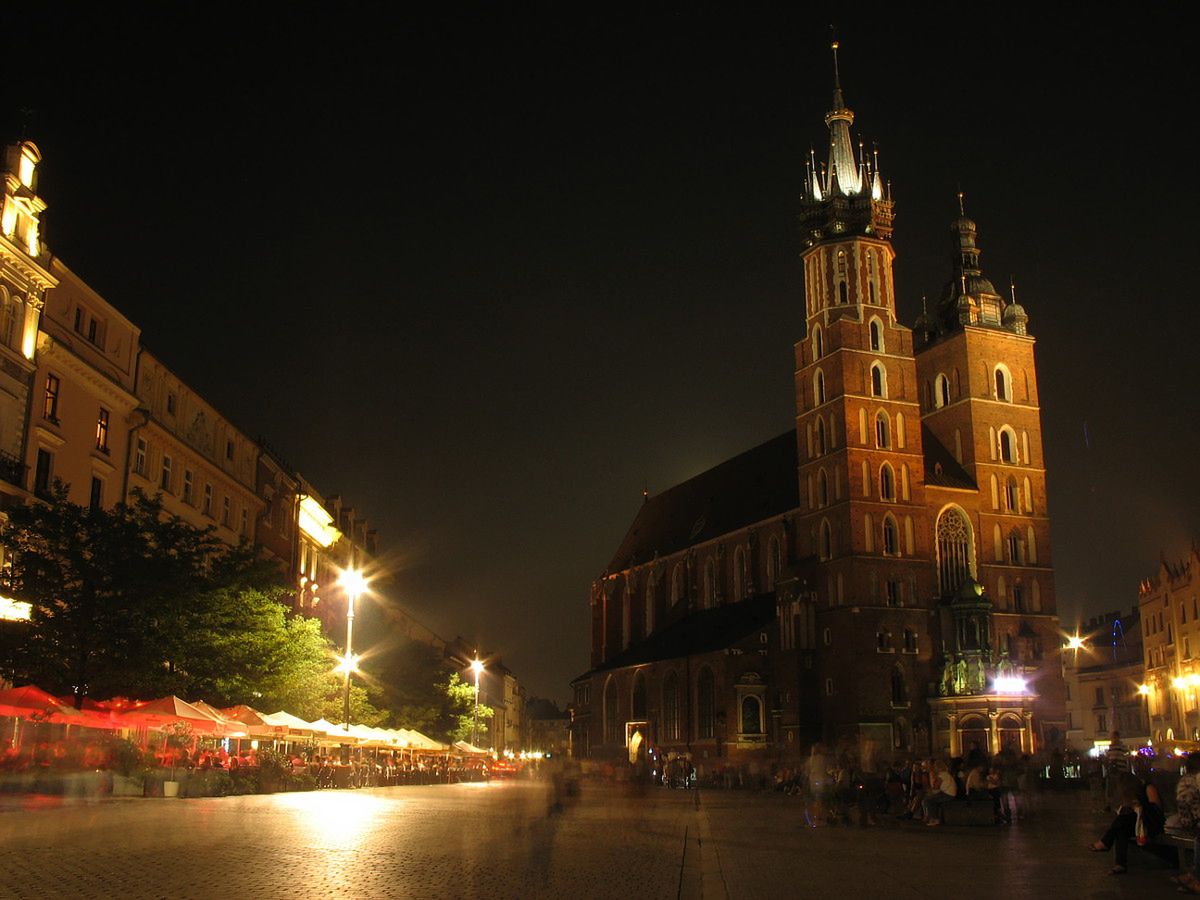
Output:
x,y
354,584
476,667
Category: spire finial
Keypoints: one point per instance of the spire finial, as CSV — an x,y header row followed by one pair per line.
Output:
x,y
962,211
1012,288
837,77
924,304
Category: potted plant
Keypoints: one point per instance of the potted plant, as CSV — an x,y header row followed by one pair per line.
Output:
x,y
272,768
128,762
178,739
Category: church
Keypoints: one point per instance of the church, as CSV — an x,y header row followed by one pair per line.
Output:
x,y
882,571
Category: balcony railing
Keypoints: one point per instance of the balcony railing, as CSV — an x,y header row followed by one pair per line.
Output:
x,y
12,469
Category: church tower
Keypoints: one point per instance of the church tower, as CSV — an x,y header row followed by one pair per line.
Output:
x,y
979,402
862,503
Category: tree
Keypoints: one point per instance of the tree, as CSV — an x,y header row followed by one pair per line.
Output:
x,y
462,703
131,601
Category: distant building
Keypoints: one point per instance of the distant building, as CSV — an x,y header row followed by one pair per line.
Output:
x,y
879,573
1103,678
1170,621
549,728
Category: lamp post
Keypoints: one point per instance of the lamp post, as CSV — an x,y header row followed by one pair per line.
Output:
x,y
476,667
353,583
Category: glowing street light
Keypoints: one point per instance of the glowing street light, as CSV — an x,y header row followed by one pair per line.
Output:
x,y
477,668
355,585
1144,690
1075,642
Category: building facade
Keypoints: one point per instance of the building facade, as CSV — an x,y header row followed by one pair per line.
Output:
x,y
1103,678
881,572
1170,625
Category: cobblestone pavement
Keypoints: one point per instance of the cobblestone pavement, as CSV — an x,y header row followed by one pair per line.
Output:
x,y
500,841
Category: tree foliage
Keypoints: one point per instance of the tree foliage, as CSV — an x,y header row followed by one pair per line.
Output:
x,y
462,703
131,601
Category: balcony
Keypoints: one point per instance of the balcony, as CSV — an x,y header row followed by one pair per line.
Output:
x,y
12,469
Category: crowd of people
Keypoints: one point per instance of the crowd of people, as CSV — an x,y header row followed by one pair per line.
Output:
x,y
838,785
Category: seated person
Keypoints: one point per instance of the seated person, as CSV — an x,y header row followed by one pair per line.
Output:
x,y
945,789
1138,800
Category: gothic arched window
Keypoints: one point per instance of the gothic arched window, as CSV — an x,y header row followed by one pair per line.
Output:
x,y
878,380
887,483
1008,445
612,726
826,540
1011,497
882,437
941,390
820,436
638,697
954,546
1003,383
818,344
891,536
876,334
705,704
671,707
739,574
899,689
751,715
677,583
822,488
819,387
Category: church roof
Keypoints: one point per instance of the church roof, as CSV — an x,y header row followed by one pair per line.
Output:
x,y
941,468
749,488
704,631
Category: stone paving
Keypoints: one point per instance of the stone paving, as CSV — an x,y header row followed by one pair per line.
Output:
x,y
500,840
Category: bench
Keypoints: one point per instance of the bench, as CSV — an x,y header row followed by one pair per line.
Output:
x,y
1182,839
979,811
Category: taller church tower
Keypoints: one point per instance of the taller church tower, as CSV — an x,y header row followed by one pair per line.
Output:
x,y
863,516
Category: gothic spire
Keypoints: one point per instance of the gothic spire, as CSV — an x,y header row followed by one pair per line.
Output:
x,y
844,177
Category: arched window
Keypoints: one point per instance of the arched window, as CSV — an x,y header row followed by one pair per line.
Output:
x,y
826,540
955,549
710,583
1003,383
626,617
751,715
10,319
670,707
774,561
818,344
876,335
869,533
651,596
705,704
822,488
878,380
612,725
910,641
1011,497
899,688
820,436
1015,556
819,386
887,482
891,536
638,697
677,583
1008,445
941,390
1028,493
882,435
842,274
739,574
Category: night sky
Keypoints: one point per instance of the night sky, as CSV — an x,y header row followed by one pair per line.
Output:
x,y
488,276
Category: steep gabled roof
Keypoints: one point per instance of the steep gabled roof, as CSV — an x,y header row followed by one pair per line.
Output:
x,y
704,631
749,488
941,468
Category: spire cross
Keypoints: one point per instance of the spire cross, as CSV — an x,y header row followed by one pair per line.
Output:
x,y
1012,288
961,209
837,78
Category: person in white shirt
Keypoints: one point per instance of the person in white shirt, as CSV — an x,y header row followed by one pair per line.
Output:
x,y
945,790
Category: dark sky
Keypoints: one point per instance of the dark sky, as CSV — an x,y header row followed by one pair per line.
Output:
x,y
487,276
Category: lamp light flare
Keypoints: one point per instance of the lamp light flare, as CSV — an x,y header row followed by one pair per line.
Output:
x,y
347,664
353,582
1009,684
476,666
1075,642
1144,690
